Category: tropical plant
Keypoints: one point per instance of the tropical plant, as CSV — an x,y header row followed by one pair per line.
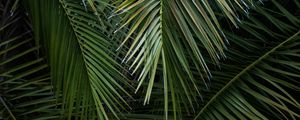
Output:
x,y
105,59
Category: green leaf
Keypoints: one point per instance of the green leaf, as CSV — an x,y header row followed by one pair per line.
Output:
x,y
262,85
83,66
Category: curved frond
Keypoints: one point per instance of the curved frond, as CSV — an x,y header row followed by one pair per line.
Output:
x,y
171,35
267,85
82,60
26,91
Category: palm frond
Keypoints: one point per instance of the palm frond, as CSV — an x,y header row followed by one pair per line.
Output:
x,y
173,51
25,86
159,34
260,79
82,60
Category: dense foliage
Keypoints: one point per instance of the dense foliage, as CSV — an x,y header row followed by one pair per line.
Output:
x,y
149,59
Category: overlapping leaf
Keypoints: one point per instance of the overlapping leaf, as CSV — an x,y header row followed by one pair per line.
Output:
x,y
260,80
171,45
26,91
168,35
81,54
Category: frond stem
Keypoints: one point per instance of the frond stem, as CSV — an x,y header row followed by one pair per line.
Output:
x,y
244,71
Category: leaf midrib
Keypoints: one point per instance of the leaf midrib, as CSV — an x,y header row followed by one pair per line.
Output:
x,y
249,67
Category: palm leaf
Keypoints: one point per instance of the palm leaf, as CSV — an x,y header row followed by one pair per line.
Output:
x,y
180,68
82,60
159,34
25,86
266,86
